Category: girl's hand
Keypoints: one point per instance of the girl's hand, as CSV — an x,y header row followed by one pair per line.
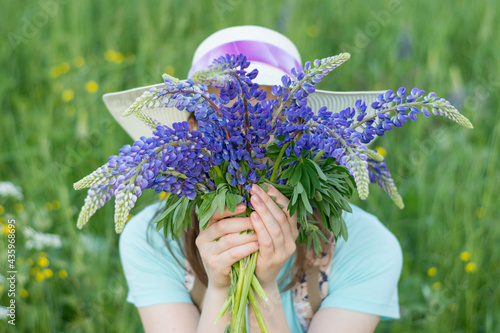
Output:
x,y
276,232
221,245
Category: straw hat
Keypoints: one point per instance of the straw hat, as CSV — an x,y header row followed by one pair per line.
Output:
x,y
267,50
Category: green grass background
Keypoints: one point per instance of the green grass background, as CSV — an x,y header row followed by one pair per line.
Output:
x,y
447,175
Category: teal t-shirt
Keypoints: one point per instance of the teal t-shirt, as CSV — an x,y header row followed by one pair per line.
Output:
x,y
364,272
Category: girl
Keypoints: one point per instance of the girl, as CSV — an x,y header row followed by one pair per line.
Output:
x,y
180,286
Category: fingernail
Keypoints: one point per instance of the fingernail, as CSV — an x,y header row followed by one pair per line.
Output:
x,y
254,218
257,201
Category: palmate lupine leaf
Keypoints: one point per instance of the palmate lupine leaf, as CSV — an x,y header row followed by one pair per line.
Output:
x,y
320,184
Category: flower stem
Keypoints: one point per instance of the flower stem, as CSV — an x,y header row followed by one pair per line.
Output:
x,y
274,175
257,312
318,156
217,169
246,276
258,289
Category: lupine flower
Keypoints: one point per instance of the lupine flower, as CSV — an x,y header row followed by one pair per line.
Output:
x,y
178,161
202,170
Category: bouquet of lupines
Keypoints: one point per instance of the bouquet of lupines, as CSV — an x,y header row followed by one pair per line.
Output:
x,y
315,159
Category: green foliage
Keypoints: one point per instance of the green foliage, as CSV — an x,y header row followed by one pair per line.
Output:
x,y
320,184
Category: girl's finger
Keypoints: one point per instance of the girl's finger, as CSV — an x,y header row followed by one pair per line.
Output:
x,y
227,226
234,254
266,245
229,241
284,201
226,213
276,213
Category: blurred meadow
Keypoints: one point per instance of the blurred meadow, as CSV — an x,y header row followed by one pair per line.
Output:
x,y
58,57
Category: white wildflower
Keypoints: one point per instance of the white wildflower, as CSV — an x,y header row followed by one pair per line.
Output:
x,y
7,189
4,312
39,240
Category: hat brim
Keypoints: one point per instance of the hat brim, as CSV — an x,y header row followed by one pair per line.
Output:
x,y
118,102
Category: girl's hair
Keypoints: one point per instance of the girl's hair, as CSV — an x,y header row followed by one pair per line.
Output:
x,y
300,266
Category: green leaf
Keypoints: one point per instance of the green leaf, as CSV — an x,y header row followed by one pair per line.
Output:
x,y
296,176
299,188
229,177
305,200
343,229
231,202
317,243
320,172
335,225
313,176
306,183
277,203
221,200
207,215
168,209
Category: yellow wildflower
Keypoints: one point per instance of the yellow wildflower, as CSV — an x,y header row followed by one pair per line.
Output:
x,y
432,271
163,195
113,56
24,293
19,207
43,254
63,273
42,262
91,86
118,58
2,210
54,72
470,267
48,273
64,68
67,95
437,285
29,261
39,276
465,256
48,206
56,204
5,229
170,70
79,61
109,55
34,270
381,151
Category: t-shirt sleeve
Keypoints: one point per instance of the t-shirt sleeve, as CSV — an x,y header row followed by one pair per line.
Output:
x,y
366,268
152,273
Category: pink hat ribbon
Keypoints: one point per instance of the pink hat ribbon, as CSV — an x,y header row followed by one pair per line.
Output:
x,y
254,51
